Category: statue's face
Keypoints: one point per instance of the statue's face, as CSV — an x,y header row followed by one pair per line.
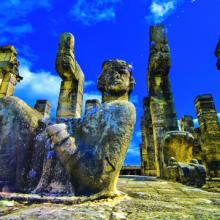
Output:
x,y
116,79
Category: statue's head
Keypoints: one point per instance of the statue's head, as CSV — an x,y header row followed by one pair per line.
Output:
x,y
172,161
66,40
116,78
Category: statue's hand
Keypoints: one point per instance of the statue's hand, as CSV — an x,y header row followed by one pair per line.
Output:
x,y
58,133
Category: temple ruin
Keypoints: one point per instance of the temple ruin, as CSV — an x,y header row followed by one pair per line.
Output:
x,y
41,155
175,148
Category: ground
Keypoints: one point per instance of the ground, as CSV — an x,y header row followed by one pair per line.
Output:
x,y
147,198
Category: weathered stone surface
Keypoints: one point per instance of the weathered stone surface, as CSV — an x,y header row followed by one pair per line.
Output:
x,y
192,174
90,104
197,146
147,147
160,96
187,124
148,198
159,124
217,54
71,90
210,133
116,81
18,127
177,144
9,75
93,155
44,107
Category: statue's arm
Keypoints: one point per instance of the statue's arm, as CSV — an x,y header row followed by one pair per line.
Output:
x,y
64,144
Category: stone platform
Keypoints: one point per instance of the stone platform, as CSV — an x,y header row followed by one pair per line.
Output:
x,y
147,198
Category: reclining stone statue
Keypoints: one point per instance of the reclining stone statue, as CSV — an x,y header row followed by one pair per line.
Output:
x,y
88,152
94,153
192,173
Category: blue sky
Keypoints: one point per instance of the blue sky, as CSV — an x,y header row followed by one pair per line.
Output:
x,y
106,29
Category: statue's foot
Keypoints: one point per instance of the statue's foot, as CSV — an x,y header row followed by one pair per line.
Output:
x,y
107,194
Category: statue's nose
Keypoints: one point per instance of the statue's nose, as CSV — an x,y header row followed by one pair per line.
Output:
x,y
117,76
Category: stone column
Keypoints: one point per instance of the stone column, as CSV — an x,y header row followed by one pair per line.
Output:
x,y
160,95
143,149
44,107
147,146
187,124
9,75
210,133
72,85
206,114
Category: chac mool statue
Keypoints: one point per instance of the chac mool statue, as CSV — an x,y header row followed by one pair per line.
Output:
x,y
92,149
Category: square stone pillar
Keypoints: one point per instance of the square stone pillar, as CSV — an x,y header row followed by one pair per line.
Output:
x,y
44,107
9,75
210,133
72,85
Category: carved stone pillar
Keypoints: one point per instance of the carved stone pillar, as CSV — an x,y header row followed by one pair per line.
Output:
x,y
9,75
44,107
160,95
71,89
210,133
147,146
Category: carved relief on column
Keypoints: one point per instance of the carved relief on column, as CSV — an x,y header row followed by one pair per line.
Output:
x,y
72,85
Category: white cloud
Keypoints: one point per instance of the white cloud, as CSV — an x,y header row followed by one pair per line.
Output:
x,y
37,85
134,99
44,85
196,122
178,123
89,83
134,149
138,134
92,12
161,9
12,17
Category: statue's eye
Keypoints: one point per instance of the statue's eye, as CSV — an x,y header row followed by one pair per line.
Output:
x,y
124,72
